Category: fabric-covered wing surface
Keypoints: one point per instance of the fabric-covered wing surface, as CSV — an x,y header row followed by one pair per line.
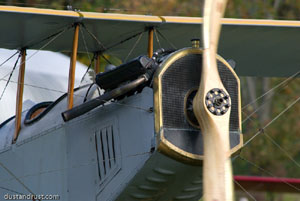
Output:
x,y
259,47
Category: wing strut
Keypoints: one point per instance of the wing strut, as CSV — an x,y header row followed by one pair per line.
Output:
x,y
97,63
217,171
150,42
19,101
72,67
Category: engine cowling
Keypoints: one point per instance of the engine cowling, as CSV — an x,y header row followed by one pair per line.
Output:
x,y
175,85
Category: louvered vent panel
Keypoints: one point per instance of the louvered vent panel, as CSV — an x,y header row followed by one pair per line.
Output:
x,y
106,142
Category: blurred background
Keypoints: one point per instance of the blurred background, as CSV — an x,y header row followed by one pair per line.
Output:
x,y
273,102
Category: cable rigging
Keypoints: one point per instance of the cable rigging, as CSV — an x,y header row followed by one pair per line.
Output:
x,y
9,58
10,75
282,84
261,130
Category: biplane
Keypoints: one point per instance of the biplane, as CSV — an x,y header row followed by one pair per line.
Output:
x,y
139,131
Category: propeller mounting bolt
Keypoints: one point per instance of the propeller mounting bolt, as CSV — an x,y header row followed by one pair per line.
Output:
x,y
217,101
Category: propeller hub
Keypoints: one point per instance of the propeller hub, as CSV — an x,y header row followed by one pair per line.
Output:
x,y
217,101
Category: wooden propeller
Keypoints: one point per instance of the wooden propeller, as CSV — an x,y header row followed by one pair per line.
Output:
x,y
211,113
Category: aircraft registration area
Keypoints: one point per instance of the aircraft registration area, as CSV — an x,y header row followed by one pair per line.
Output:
x,y
133,133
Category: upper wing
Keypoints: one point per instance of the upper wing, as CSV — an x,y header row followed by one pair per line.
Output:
x,y
259,47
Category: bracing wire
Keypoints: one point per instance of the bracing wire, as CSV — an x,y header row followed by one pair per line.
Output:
x,y
102,47
272,89
125,40
77,95
133,47
10,190
9,58
244,106
105,58
283,84
166,39
88,68
249,194
43,88
276,144
269,173
157,39
10,75
261,130
16,178
87,52
85,45
55,36
282,149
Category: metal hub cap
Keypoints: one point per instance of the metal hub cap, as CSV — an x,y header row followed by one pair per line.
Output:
x,y
217,101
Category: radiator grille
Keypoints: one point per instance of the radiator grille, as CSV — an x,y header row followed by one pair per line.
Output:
x,y
180,77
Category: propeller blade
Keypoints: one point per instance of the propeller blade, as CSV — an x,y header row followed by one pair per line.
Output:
x,y
211,112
